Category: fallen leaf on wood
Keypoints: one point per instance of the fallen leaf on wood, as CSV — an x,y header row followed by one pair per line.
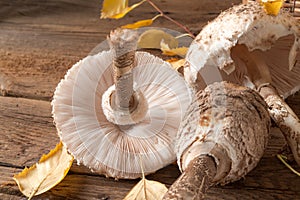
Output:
x,y
116,9
147,190
151,39
44,175
179,51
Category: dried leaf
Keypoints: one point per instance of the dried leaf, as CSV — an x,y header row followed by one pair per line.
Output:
x,y
116,9
146,189
176,64
138,24
180,51
151,39
272,7
44,175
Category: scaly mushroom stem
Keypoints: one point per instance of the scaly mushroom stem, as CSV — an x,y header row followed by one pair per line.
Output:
x,y
195,180
124,43
129,106
284,117
280,112
124,81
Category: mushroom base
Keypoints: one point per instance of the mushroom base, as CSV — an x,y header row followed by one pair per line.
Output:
x,y
124,116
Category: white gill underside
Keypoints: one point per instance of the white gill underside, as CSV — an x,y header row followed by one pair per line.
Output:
x,y
113,150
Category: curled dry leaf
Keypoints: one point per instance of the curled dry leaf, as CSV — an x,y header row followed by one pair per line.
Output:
x,y
147,190
151,39
116,9
44,175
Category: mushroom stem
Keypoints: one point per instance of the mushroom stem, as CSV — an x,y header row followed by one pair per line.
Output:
x,y
124,81
195,180
284,117
281,113
128,106
123,43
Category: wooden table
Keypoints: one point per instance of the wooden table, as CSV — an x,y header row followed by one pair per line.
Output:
x,y
39,42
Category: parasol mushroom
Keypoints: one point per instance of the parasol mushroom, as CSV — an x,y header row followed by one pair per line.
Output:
x,y
216,144
118,108
246,46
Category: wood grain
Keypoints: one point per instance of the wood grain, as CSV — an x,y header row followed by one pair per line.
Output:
x,y
40,41
28,132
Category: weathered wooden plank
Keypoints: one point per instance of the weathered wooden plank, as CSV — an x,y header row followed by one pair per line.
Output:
x,y
41,40
79,186
294,102
27,132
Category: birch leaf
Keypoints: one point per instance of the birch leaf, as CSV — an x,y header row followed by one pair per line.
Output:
x,y
272,7
147,190
44,175
116,9
177,64
151,39
138,24
179,51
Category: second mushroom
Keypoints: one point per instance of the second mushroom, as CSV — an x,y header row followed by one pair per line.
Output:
x,y
218,141
246,46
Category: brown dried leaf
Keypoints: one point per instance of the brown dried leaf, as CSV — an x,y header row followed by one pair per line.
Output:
x,y
44,175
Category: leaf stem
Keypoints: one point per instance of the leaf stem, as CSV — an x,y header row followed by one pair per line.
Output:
x,y
281,158
186,29
157,16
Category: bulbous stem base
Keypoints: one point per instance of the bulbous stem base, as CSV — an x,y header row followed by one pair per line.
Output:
x,y
195,180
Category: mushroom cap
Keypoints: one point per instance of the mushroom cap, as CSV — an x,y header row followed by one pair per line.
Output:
x,y
274,38
109,149
225,121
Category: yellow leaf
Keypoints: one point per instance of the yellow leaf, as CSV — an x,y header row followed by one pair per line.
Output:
x,y
272,7
116,9
147,190
44,175
138,24
180,51
176,63
151,39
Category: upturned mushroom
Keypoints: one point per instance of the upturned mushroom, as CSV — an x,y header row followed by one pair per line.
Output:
x,y
118,108
246,46
218,142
